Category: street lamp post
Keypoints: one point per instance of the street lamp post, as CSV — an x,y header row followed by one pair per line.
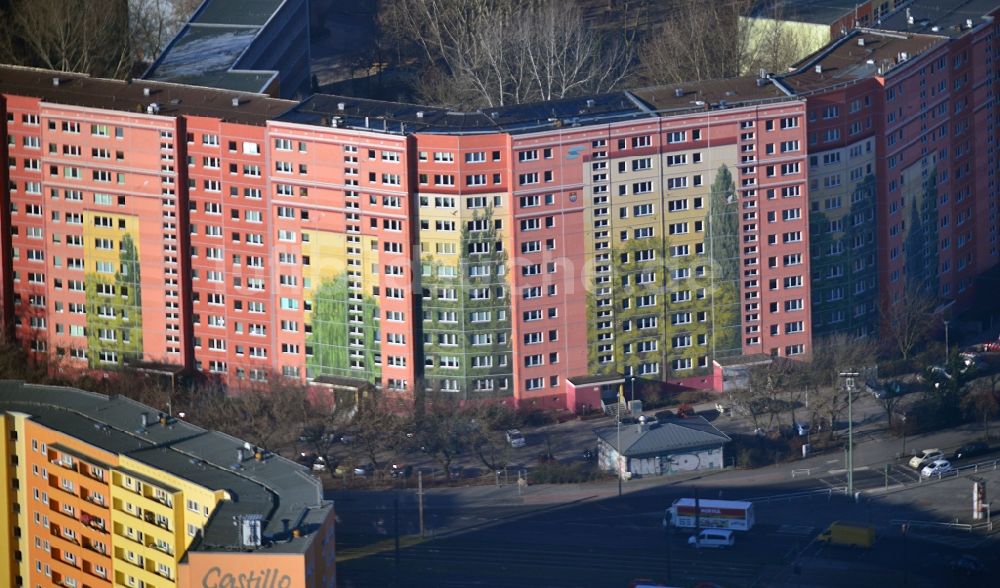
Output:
x,y
849,386
946,346
618,454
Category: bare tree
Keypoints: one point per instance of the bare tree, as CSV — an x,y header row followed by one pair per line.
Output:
x,y
699,41
378,426
908,321
443,429
982,403
487,437
502,52
819,376
153,23
69,35
709,40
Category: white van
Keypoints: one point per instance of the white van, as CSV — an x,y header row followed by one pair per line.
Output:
x,y
712,538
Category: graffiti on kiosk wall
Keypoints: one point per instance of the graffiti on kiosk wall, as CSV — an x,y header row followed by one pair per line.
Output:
x,y
265,578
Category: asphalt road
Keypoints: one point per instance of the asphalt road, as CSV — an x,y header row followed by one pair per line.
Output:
x,y
610,541
584,535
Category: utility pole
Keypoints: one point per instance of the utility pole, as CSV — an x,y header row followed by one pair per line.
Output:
x,y
849,386
420,500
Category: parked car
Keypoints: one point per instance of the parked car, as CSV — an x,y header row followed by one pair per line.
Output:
x,y
802,428
515,438
925,457
319,464
882,390
400,471
713,538
664,415
364,470
970,450
967,565
938,467
722,408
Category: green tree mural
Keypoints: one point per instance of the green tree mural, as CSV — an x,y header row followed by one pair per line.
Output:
x,y
650,289
466,315
329,344
114,311
839,264
922,238
722,244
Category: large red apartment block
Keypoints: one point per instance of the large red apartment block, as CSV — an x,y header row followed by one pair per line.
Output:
x,y
541,254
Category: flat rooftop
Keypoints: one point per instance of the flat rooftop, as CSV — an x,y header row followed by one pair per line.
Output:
x,y
401,118
846,60
939,17
205,51
237,12
172,99
709,94
283,492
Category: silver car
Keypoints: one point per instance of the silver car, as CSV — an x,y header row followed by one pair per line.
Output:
x,y
937,468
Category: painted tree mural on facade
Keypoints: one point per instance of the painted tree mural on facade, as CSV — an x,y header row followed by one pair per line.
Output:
x,y
114,310
331,347
466,316
842,240
922,238
722,245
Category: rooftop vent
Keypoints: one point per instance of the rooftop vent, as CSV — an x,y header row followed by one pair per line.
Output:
x,y
935,29
968,23
861,41
903,56
679,92
55,81
420,114
341,105
761,82
337,122
870,62
818,68
236,102
590,103
153,108
146,91
699,103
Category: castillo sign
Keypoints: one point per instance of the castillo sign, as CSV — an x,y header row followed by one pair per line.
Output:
x,y
265,578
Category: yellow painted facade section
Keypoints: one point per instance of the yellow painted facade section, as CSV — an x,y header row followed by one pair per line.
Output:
x,y
334,254
120,226
11,425
150,518
441,229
